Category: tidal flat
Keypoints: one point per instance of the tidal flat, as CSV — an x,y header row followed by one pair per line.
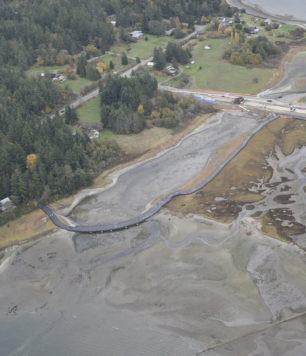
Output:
x,y
180,284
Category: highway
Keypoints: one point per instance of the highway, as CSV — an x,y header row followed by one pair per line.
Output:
x,y
250,101
102,228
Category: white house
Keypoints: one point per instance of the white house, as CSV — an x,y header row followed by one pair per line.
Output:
x,y
137,35
170,70
93,133
6,204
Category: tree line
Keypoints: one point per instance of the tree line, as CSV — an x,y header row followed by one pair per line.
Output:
x,y
124,101
250,51
41,158
46,31
128,105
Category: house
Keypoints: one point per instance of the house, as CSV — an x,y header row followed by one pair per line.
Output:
x,y
93,133
48,75
252,30
222,19
136,35
170,31
6,204
268,21
59,78
170,70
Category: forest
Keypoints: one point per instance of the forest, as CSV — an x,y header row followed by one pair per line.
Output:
x,y
41,158
46,157
128,105
48,32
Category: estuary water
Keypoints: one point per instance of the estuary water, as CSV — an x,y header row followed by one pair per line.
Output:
x,y
294,8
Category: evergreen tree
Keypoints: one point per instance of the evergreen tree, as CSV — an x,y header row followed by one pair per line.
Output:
x,y
159,59
81,67
91,72
124,59
71,116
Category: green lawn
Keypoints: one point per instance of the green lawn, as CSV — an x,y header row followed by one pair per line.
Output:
x,y
142,48
218,74
280,34
90,112
37,70
116,59
77,85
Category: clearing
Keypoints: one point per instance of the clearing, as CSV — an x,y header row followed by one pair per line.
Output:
x,y
210,71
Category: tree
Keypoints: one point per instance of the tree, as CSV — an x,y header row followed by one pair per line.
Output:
x,y
91,72
157,28
124,59
111,65
138,60
81,67
71,116
159,59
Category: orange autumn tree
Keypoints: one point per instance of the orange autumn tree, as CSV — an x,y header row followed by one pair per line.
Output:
x,y
30,161
101,67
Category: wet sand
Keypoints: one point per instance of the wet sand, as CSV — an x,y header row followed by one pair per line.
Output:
x,y
292,85
139,186
175,286
258,11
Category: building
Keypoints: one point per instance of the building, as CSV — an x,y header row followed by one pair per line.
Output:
x,y
136,35
268,21
6,204
252,30
170,70
93,133
48,75
170,32
59,78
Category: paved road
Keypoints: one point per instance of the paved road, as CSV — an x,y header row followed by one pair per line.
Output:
x,y
251,101
81,100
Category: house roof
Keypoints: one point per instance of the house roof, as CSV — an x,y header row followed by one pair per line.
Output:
x,y
5,201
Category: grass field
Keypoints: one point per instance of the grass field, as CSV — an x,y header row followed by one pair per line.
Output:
x,y
77,85
280,34
142,48
25,227
116,59
90,112
37,70
218,74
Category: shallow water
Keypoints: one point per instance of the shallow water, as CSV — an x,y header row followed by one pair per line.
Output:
x,y
295,8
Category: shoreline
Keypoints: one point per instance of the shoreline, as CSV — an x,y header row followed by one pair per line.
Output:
x,y
260,12
104,180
